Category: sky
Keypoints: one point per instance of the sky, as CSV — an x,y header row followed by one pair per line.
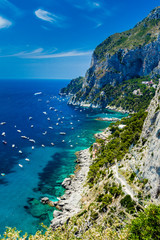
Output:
x,y
55,39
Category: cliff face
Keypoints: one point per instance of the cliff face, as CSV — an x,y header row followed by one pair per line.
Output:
x,y
122,56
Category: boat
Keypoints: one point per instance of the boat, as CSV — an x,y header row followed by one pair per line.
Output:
x,y
43,145
48,119
27,159
3,134
32,140
71,145
3,174
45,113
57,123
32,147
62,122
20,151
24,137
71,123
50,127
63,140
30,118
44,133
62,133
72,128
4,142
37,93
2,123
13,145
59,119
52,144
19,131
20,165
32,126
51,108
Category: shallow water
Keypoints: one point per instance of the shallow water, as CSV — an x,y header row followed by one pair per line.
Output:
x,y
22,188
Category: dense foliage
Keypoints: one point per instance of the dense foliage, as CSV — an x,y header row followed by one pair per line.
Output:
x,y
73,87
122,95
118,146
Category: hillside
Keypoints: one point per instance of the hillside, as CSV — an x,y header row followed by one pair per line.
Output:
x,y
122,56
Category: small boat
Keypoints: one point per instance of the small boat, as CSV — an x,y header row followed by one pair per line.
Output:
x,y
27,159
20,165
62,122
19,131
48,119
59,119
32,147
52,144
72,128
63,141
78,120
56,110
51,108
2,123
57,123
32,126
78,136
44,133
30,118
43,145
71,123
71,145
50,127
62,133
13,145
63,117
24,137
20,151
3,134
45,113
37,93
3,174
32,140
4,142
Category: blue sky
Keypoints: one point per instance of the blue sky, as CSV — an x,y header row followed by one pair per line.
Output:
x,y
54,39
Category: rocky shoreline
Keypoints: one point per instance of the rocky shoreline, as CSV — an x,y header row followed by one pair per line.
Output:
x,y
70,203
120,109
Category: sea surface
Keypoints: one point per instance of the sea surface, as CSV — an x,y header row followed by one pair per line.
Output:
x,y
40,117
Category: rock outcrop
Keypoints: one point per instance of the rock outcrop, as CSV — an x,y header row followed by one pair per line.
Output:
x,y
121,57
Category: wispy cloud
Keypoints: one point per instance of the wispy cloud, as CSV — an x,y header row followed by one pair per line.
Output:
x,y
49,17
39,53
4,23
7,5
86,4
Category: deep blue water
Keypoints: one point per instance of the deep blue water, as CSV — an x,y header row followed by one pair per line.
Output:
x,y
22,187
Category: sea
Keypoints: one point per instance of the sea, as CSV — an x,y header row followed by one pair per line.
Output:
x,y
34,157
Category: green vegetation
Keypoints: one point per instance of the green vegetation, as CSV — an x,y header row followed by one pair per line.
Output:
x,y
146,226
141,34
118,146
122,95
73,87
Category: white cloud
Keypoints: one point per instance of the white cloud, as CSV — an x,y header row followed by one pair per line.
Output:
x,y
4,23
49,17
39,53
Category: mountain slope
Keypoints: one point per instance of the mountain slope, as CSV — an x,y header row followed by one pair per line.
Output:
x,y
120,57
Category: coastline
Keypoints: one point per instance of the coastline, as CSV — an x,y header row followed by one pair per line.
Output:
x,y
70,203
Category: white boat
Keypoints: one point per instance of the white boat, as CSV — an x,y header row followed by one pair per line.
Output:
x,y
52,144
62,133
45,113
43,145
50,127
20,165
71,123
71,145
32,147
3,134
30,118
13,145
44,133
3,174
51,108
72,128
27,159
32,126
20,151
24,137
48,119
2,123
57,123
32,140
37,93
63,141
19,131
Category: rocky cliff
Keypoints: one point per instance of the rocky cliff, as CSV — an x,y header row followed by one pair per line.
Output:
x,y
120,57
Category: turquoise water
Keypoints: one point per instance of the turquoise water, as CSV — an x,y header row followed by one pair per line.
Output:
x,y
22,188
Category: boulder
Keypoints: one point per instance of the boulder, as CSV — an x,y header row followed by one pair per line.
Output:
x,y
66,183
45,200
